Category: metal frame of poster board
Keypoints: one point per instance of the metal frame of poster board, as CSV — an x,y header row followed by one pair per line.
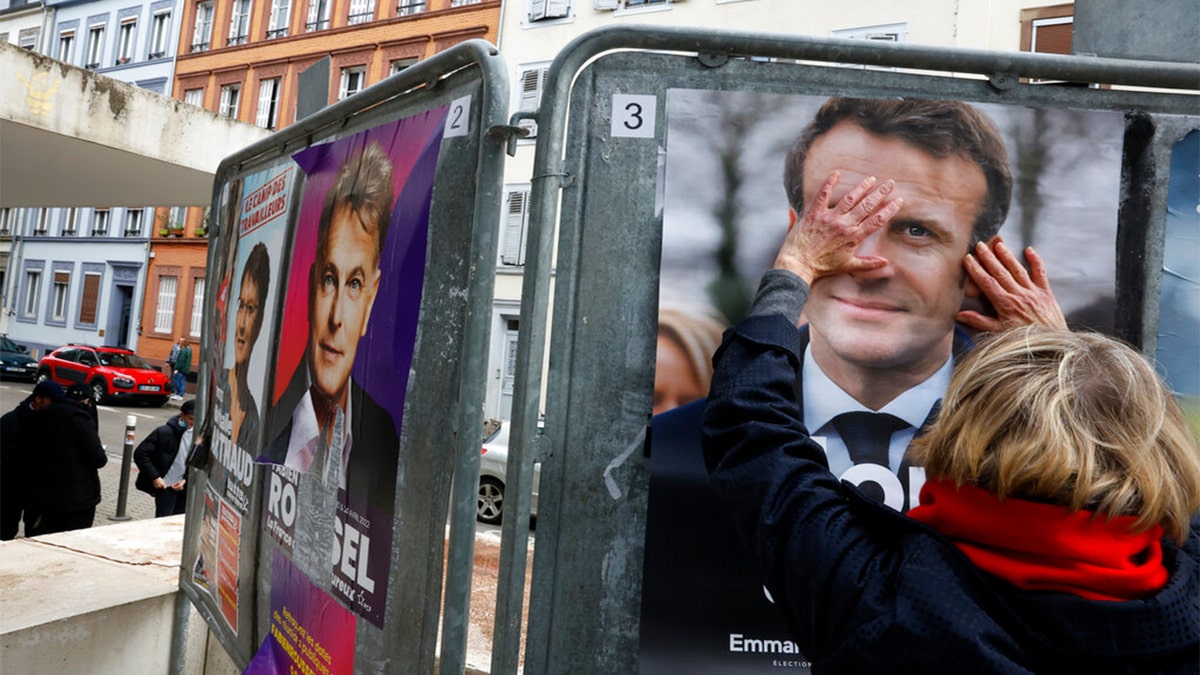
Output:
x,y
439,441
587,570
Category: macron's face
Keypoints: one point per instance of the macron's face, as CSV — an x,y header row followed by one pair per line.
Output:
x,y
342,290
249,314
900,316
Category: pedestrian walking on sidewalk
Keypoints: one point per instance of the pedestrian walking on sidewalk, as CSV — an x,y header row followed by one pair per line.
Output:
x,y
161,462
181,366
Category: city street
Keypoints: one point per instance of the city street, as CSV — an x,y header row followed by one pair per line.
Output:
x,y
112,435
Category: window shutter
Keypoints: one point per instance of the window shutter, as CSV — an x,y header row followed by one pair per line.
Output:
x,y
532,81
515,221
91,297
1052,38
602,5
558,9
266,100
62,277
537,10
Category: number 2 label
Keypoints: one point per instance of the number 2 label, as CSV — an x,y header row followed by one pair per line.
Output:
x,y
458,118
633,115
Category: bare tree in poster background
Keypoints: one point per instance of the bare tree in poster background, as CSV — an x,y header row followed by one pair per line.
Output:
x,y
725,210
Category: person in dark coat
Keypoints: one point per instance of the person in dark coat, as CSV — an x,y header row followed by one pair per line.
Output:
x,y
63,455
161,462
82,396
13,472
1057,527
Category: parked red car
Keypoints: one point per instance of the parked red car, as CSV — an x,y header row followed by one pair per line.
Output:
x,y
109,372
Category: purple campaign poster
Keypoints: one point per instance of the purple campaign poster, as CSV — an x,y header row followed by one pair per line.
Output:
x,y
349,321
309,633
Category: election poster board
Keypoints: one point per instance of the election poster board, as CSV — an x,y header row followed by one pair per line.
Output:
x,y
352,296
725,212
1179,306
257,209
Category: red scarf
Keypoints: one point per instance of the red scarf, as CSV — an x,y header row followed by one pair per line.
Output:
x,y
1045,547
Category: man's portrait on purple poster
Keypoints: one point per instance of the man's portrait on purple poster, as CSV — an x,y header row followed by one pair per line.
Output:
x,y
349,321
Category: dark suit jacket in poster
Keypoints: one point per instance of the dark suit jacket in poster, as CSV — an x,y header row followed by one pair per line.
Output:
x,y
374,452
699,586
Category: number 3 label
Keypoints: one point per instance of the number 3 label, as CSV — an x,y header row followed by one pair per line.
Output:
x,y
458,119
633,115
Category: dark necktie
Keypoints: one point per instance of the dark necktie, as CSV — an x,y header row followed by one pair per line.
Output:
x,y
867,435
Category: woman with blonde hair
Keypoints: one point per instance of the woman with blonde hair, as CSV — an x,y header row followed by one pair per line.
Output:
x,y
683,364
1057,530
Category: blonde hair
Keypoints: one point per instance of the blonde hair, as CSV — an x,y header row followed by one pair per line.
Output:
x,y
697,334
1074,419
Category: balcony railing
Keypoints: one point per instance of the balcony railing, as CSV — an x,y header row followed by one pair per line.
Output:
x,y
92,66
236,40
277,33
313,26
362,17
122,61
156,55
410,8
200,47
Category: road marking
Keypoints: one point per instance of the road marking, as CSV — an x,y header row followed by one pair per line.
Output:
x,y
126,411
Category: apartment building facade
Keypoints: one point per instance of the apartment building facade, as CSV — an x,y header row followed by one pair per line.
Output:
x,y
78,274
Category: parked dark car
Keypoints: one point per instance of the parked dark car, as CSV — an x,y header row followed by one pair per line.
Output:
x,y
107,372
14,362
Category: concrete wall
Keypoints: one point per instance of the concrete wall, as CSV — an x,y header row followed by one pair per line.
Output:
x,y
100,600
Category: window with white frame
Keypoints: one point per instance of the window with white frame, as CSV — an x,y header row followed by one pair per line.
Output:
x,y
133,222
546,10
891,32
202,34
268,103
318,15
100,222
400,64
126,36
515,227
40,222
281,13
160,34
352,81
5,221
33,282
70,219
239,22
28,38
95,46
229,100
410,7
610,5
164,313
62,284
531,79
66,43
361,11
197,308
194,97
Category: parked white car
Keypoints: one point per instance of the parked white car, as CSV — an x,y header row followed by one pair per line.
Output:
x,y
493,464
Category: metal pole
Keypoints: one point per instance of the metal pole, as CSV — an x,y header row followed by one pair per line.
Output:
x,y
126,461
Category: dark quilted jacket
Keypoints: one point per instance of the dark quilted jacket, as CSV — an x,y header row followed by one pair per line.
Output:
x,y
867,590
